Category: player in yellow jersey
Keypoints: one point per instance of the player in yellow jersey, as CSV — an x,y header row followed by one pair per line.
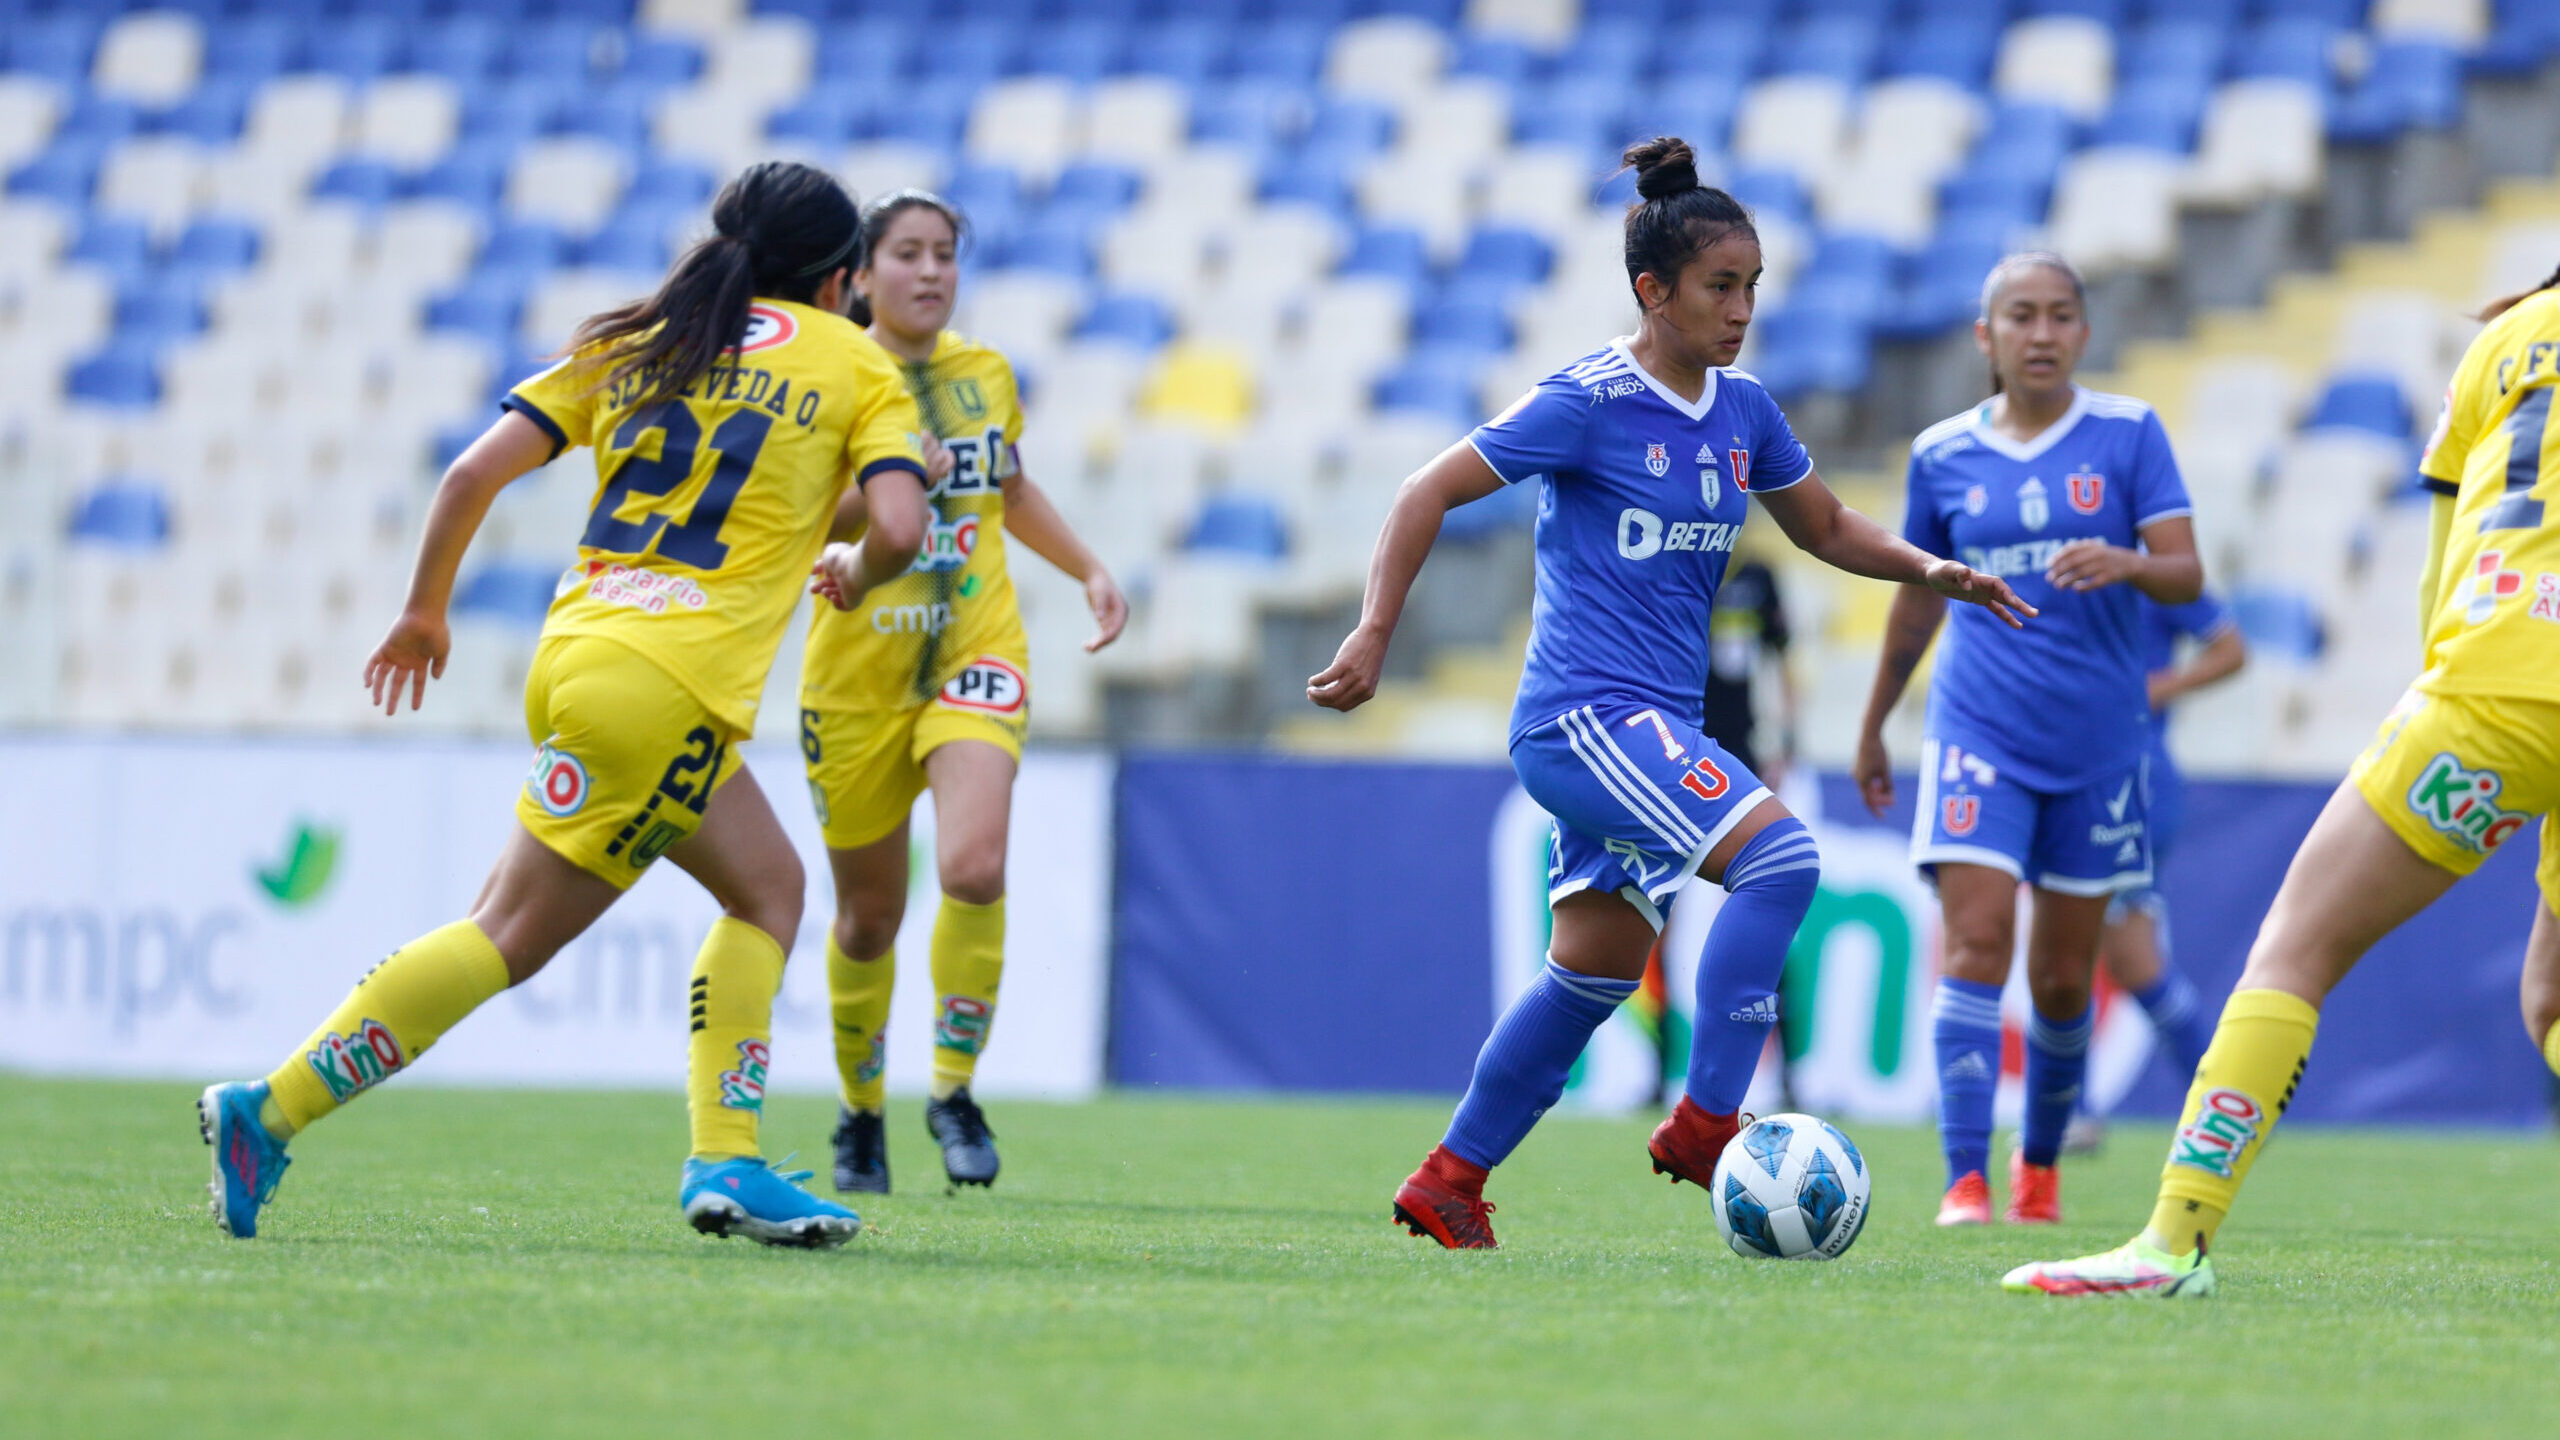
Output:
x,y
924,683
2462,764
729,413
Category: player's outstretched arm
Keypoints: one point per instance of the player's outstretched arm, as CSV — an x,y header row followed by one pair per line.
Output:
x,y
898,517
418,641
1908,628
1842,538
1457,476
1033,519
2166,568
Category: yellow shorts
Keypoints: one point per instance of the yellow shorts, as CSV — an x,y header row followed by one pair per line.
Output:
x,y
629,757
866,767
2458,776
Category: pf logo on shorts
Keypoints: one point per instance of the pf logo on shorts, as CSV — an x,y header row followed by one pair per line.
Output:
x,y
989,686
558,783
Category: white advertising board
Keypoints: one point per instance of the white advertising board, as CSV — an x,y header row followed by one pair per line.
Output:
x,y
192,908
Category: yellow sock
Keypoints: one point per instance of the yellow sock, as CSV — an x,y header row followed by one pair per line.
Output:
x,y
968,963
735,978
2241,1089
399,1008
2551,1048
858,996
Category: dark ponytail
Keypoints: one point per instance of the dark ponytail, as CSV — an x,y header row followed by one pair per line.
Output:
x,y
2505,303
780,228
876,219
1674,216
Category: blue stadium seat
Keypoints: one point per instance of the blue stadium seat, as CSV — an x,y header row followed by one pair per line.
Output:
x,y
64,172
1727,47
2372,403
826,117
524,245
1957,50
212,116
52,47
1504,59
2175,50
1290,51
2526,35
367,182
1050,252
250,48
2335,14
1466,318
1508,255
1651,14
1251,113
2412,85
125,513
1319,180
632,240
1079,50
618,113
1185,48
98,117
463,48
2286,50
485,307
931,114
2156,114
1434,382
216,245
1842,48
1813,352
152,311
124,376
1610,51
2220,14
118,246
1698,109
1248,526
1352,129
1771,192
512,592
2280,623
670,184
990,195
658,61
473,178
869,51
1395,252
1131,319
2110,13
973,51
1572,109
355,48
1098,185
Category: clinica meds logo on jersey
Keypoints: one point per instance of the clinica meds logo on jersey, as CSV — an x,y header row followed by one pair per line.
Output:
x,y
2034,510
2462,803
2225,1123
1657,459
352,1064
2488,583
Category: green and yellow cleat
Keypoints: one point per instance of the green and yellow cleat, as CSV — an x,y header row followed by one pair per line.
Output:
x,y
2137,1267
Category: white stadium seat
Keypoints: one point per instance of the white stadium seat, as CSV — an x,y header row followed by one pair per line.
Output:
x,y
1385,59
2063,60
150,57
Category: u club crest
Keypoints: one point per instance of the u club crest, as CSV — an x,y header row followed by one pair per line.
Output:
x,y
2087,490
1657,459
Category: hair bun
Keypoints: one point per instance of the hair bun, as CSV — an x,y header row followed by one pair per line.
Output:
x,y
1664,165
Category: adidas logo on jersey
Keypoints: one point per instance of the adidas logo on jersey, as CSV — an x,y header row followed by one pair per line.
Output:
x,y
1763,1011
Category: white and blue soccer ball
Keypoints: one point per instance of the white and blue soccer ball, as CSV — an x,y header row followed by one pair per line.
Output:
x,y
1790,1187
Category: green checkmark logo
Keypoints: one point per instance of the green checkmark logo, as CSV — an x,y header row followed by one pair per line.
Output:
x,y
309,860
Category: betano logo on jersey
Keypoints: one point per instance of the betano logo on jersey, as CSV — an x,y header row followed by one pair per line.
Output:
x,y
2463,804
1642,535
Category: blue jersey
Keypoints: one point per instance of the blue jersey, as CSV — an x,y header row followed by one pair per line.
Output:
x,y
2163,626
2062,703
1641,497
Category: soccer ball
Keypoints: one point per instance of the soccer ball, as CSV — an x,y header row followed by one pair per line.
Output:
x,y
1790,1187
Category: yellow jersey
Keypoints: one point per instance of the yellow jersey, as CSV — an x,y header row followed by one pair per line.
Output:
x,y
710,507
2495,626
905,640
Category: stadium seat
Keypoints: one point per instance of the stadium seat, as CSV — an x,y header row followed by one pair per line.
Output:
x,y
2372,403
1246,526
126,514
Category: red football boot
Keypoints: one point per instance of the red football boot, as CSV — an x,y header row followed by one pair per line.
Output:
x,y
1445,1201
2035,1193
1686,1146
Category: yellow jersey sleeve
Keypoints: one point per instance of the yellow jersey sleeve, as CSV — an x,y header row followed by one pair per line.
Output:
x,y
562,400
1010,464
884,435
2496,624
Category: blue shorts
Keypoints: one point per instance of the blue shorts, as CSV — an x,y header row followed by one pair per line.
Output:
x,y
2168,813
1639,798
2092,841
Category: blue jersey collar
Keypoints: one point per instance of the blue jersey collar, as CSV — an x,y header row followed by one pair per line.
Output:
x,y
2045,439
1669,396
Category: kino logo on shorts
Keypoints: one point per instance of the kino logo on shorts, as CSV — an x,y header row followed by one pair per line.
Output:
x,y
558,783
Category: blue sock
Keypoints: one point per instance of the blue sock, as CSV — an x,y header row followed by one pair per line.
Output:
x,y
1771,884
1523,1065
2177,1012
2057,1059
1964,1020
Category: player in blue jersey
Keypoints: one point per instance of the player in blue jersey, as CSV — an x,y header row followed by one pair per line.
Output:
x,y
2031,766
2134,948
1645,454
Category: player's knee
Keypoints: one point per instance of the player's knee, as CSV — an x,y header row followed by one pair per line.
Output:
x,y
1782,863
867,934
2059,996
770,900
974,875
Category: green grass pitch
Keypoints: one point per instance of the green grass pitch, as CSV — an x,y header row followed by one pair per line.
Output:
x,y
469,1263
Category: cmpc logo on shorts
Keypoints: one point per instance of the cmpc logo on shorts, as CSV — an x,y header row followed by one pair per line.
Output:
x,y
558,783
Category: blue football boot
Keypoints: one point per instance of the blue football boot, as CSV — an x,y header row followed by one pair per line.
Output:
x,y
247,1161
748,1197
